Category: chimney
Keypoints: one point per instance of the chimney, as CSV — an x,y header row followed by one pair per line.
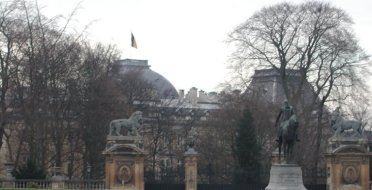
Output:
x,y
192,95
181,94
202,96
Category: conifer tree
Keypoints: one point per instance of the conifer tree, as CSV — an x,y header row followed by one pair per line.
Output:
x,y
30,170
247,150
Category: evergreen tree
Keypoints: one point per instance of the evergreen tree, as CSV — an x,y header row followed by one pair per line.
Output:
x,y
29,170
247,151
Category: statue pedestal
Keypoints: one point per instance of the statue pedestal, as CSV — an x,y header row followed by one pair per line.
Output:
x,y
284,176
58,180
124,163
347,163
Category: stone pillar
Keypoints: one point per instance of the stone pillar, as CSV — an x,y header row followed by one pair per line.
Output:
x,y
8,178
58,180
124,165
347,163
191,169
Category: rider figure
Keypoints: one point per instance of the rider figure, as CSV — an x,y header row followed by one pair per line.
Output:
x,y
286,111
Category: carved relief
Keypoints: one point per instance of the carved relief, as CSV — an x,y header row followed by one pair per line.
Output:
x,y
350,172
350,175
124,174
349,162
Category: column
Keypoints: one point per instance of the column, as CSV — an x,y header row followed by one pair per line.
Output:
x,y
191,169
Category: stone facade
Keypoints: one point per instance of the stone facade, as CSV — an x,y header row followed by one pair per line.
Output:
x,y
347,163
124,163
267,84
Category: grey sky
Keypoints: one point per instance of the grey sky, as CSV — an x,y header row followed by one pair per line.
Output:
x,y
183,39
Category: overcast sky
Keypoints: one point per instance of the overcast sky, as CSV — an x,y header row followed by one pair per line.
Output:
x,y
183,39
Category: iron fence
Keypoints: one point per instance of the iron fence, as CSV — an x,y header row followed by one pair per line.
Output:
x,y
165,177
48,184
209,176
26,183
221,187
164,186
99,185
84,184
231,186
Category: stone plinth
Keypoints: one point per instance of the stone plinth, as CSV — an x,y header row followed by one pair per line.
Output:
x,y
284,175
347,163
124,163
128,140
191,169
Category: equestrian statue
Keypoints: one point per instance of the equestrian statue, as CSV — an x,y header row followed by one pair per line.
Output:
x,y
132,124
286,124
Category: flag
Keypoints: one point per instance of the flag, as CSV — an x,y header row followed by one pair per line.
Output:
x,y
134,43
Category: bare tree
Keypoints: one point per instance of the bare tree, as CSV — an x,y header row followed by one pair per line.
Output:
x,y
11,34
313,38
46,63
99,102
217,136
50,78
168,125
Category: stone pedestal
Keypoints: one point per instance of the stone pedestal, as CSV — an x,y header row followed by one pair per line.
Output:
x,y
347,163
8,179
58,180
124,165
284,175
191,169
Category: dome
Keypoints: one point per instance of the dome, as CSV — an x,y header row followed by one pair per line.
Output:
x,y
163,87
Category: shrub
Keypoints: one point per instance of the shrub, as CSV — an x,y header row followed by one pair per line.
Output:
x,y
29,171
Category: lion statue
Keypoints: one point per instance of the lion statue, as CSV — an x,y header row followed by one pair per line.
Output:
x,y
339,124
132,124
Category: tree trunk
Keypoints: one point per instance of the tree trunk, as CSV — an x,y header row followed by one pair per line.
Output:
x,y
318,138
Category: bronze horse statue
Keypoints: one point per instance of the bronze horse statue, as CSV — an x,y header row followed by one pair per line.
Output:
x,y
288,135
339,124
132,124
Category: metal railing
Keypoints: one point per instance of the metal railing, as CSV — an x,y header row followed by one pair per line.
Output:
x,y
48,184
26,183
84,184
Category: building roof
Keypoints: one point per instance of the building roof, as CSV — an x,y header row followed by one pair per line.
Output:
x,y
163,87
267,84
